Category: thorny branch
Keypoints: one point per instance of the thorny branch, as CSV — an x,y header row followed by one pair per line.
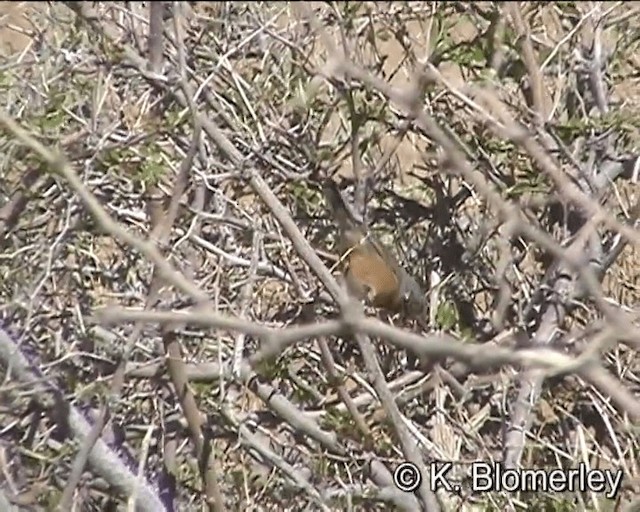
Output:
x,y
519,217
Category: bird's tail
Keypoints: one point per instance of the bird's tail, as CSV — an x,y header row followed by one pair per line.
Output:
x,y
341,214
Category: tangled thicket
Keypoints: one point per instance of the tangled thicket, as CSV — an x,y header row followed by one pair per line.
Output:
x,y
171,333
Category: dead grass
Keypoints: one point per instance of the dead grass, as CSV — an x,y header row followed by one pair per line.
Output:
x,y
253,65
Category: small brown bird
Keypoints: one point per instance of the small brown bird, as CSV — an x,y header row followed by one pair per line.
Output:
x,y
370,270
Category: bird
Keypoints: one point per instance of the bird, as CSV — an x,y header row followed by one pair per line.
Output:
x,y
371,271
